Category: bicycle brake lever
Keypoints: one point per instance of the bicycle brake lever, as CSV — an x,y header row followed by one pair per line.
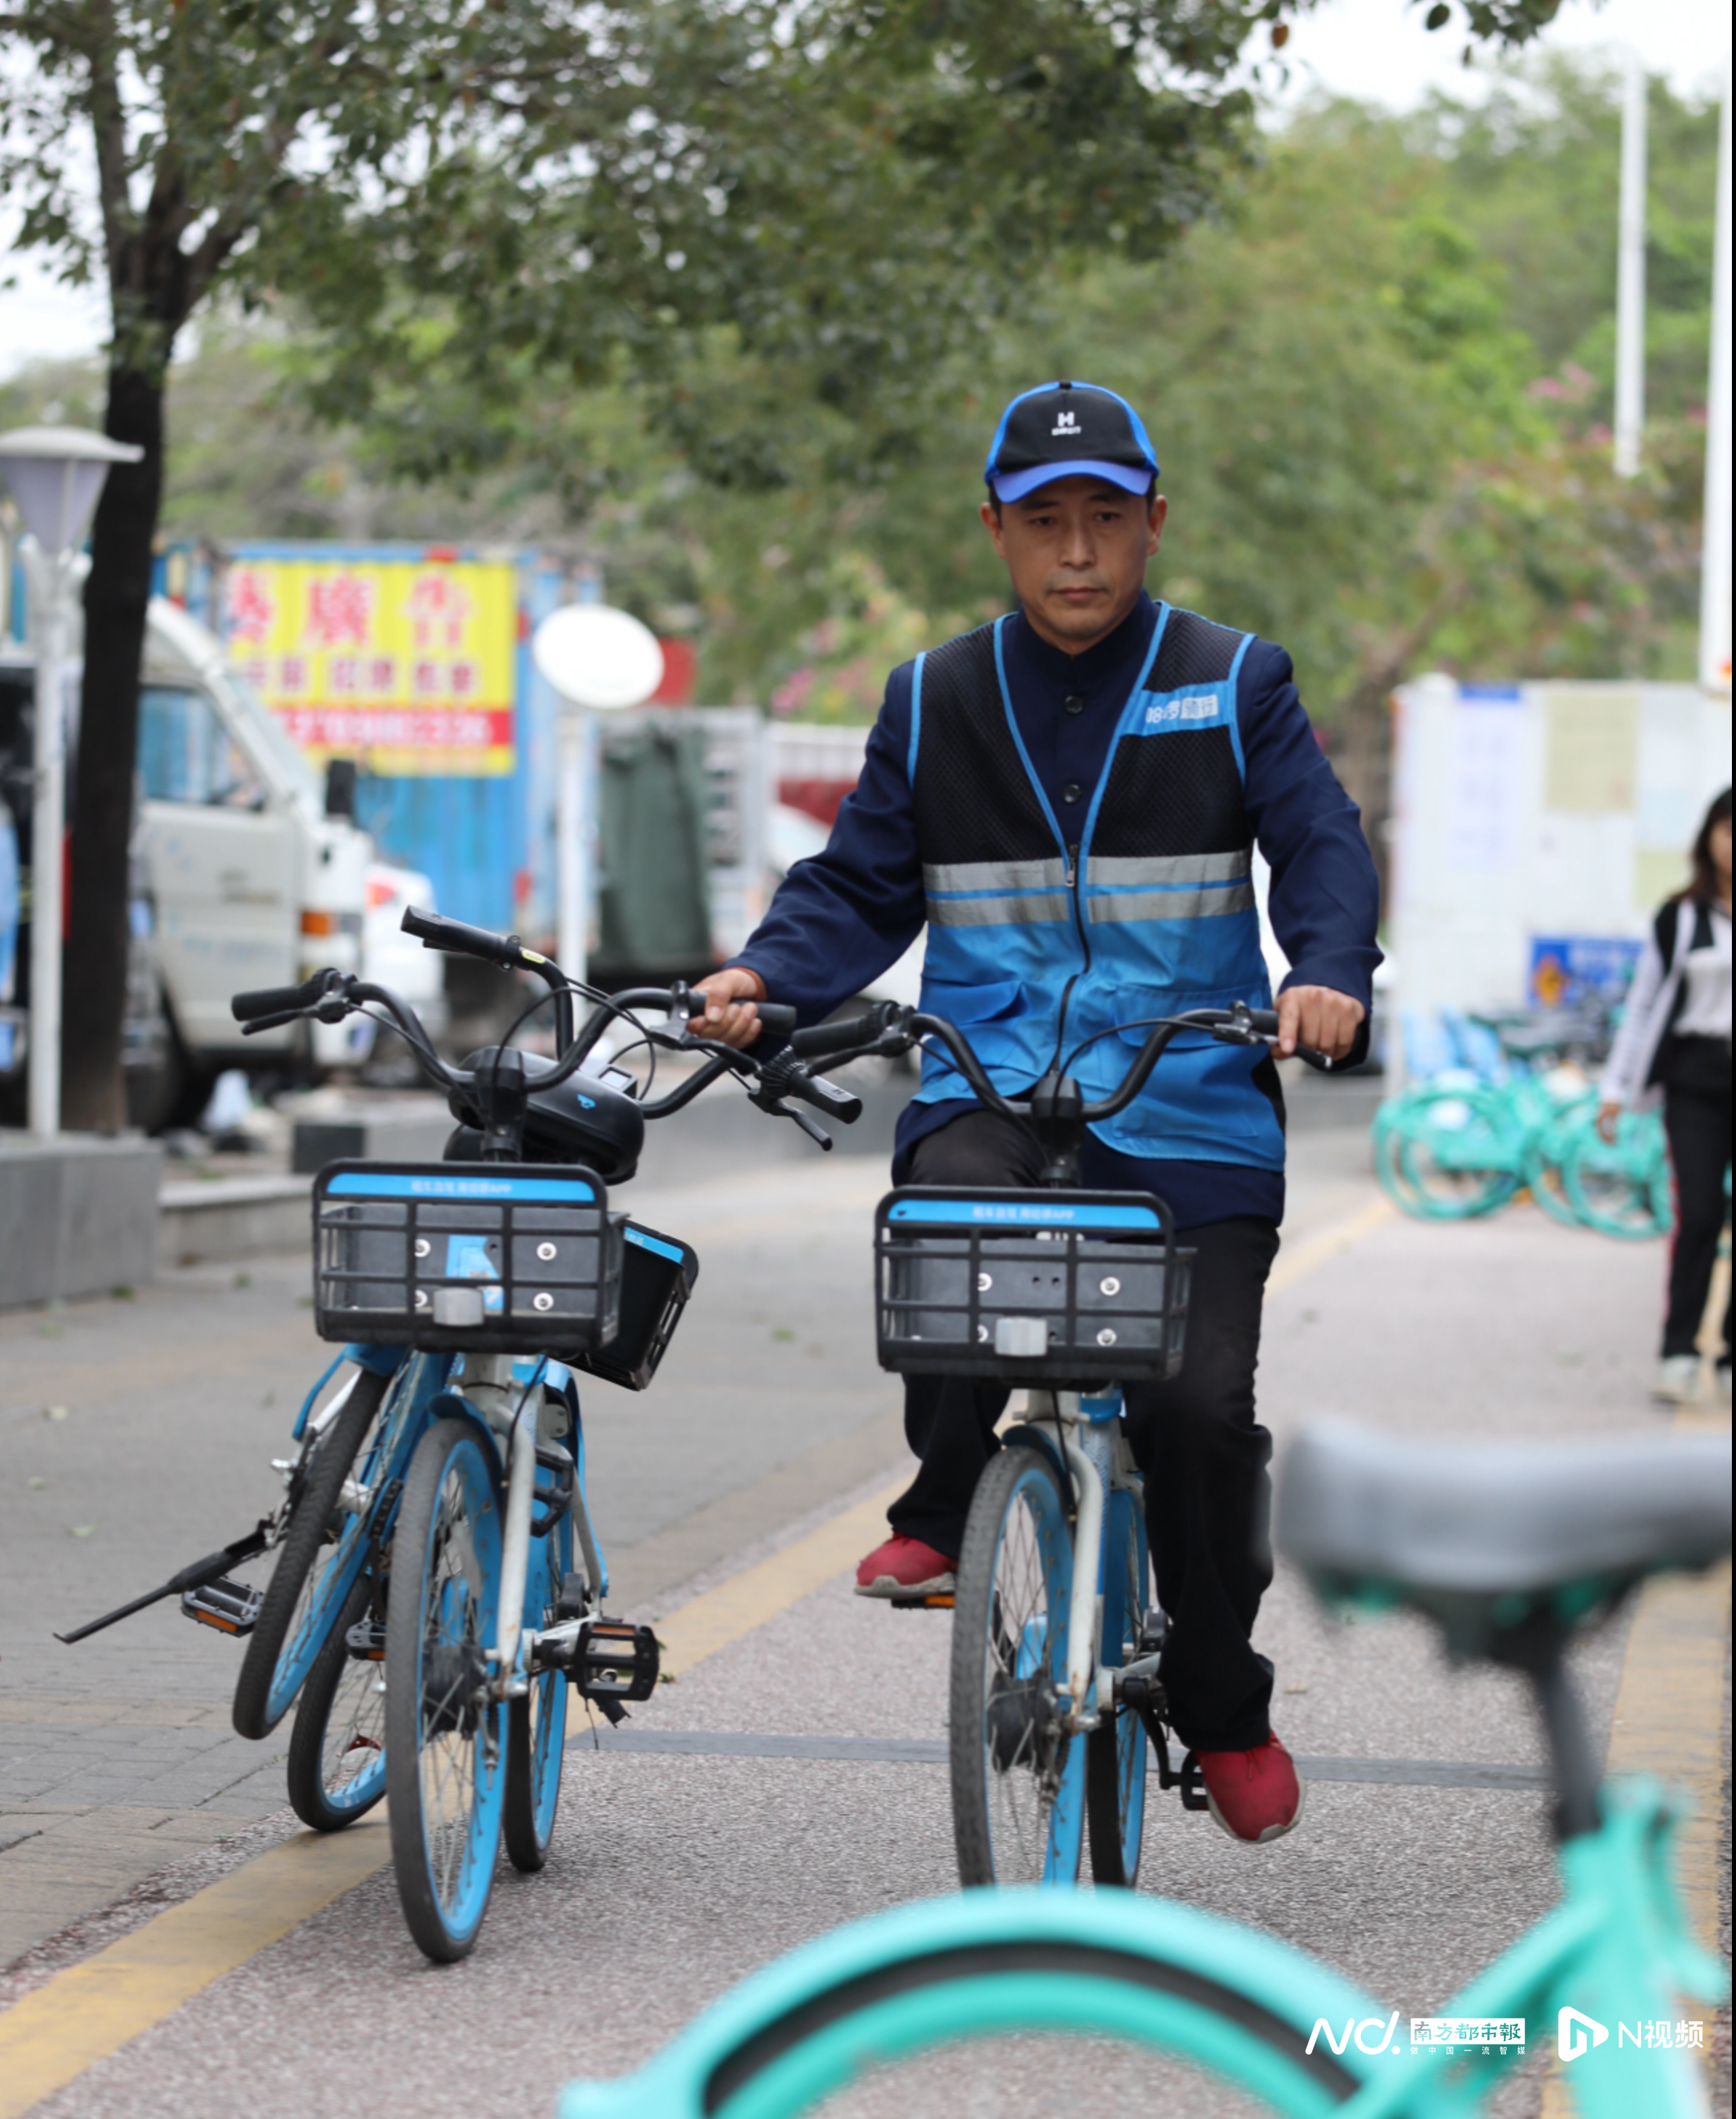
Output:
x,y
815,1132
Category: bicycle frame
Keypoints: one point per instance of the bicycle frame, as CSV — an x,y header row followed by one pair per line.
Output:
x,y
1249,2010
1093,1448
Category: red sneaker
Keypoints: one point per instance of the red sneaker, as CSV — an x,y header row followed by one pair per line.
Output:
x,y
1256,1796
905,1567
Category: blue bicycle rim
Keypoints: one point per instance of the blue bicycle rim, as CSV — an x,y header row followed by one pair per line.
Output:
x,y
1121,1631
1037,1489
551,1558
459,1850
384,1458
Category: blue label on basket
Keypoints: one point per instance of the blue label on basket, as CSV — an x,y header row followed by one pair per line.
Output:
x,y
467,1259
1038,1213
407,1184
647,1242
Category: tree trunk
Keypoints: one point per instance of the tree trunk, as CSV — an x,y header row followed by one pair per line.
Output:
x,y
116,596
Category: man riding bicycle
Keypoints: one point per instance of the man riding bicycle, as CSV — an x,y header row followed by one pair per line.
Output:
x,y
1069,798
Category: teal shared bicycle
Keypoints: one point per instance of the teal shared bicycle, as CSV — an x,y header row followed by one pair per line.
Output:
x,y
1510,1551
1510,1105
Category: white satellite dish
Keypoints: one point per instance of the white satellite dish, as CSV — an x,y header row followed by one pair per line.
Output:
x,y
598,657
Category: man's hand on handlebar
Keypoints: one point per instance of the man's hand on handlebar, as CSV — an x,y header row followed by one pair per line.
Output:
x,y
728,997
1318,1016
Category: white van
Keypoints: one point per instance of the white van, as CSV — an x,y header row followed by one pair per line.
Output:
x,y
248,873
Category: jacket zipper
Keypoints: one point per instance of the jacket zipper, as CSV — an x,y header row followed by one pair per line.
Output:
x,y
1084,946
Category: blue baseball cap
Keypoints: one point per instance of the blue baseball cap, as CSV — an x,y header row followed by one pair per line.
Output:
x,y
1068,430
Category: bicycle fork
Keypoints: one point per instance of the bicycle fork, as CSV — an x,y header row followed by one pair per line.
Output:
x,y
1098,1458
517,1413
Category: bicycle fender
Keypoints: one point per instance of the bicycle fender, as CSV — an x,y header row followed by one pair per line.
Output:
x,y
1023,1437
454,1405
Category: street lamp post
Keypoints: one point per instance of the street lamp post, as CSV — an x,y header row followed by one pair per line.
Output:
x,y
56,475
598,660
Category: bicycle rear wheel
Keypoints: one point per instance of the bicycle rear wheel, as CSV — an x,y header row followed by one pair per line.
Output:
x,y
446,1739
1115,1751
1018,1807
310,1584
536,1727
337,1749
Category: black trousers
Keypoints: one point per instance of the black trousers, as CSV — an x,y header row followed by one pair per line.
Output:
x,y
1203,1455
1696,1118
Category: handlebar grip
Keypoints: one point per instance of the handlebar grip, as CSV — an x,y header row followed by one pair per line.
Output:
x,y
825,1095
841,1036
459,939
777,1016
282,1000
1263,1021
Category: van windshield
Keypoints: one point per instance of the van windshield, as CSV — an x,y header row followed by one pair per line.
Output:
x,y
289,760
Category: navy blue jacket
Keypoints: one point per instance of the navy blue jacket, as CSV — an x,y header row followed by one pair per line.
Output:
x,y
841,918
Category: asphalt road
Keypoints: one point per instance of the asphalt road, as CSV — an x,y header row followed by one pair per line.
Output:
x,y
1423,1849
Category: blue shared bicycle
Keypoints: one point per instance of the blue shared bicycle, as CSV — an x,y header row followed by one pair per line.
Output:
x,y
439,1585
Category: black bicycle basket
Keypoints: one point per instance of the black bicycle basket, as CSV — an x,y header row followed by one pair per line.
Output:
x,y
491,1257
1062,1288
657,1276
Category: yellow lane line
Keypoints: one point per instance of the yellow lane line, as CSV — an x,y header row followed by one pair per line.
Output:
x,y
1326,1242
92,2009
718,1616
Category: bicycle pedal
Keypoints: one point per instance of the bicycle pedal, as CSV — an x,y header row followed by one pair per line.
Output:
x,y
611,1660
366,1641
943,1601
232,1607
1192,1784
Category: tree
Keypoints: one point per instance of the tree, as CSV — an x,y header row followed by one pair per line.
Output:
x,y
465,195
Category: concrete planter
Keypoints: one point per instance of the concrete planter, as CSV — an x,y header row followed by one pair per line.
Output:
x,y
78,1215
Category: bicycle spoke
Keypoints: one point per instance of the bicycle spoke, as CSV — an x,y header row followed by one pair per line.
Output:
x,y
1019,1735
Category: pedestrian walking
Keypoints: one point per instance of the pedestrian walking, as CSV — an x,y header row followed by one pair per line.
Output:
x,y
1070,798
1675,1042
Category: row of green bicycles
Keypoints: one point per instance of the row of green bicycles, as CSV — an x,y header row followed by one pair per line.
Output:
x,y
1505,1105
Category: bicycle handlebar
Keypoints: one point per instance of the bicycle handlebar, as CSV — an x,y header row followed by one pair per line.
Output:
x,y
282,1000
847,1035
458,939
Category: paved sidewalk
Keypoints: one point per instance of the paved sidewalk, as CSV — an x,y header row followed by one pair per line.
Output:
x,y
677,1870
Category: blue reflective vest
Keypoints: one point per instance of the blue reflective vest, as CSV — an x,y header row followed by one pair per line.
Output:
x,y
1041,949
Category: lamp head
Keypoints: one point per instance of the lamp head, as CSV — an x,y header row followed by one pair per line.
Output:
x,y
56,475
598,657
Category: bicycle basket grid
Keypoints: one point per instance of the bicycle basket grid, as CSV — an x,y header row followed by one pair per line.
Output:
x,y
491,1257
1060,1287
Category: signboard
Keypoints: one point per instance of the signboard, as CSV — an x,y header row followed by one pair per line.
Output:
x,y
1569,970
406,665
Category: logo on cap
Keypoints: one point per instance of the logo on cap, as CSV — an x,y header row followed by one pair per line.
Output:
x,y
1068,423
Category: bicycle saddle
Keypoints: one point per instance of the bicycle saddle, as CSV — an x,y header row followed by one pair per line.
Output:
x,y
1484,1535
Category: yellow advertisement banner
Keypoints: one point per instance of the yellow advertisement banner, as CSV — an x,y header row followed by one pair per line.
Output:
x,y
406,665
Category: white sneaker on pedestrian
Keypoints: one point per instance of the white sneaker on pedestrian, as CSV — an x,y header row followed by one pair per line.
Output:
x,y
1677,1380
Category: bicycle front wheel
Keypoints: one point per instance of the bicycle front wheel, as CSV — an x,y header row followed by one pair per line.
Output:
x,y
337,1749
445,1737
310,1584
536,1729
1018,1807
1115,1750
